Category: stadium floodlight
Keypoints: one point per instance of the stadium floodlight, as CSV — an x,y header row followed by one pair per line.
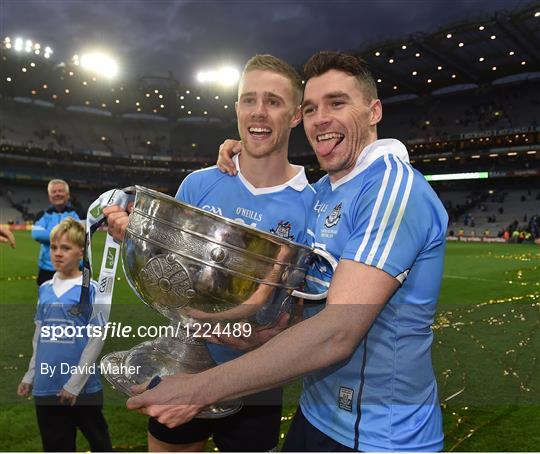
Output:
x,y
226,76
99,63
18,44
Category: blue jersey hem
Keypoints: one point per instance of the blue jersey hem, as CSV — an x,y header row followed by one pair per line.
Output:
x,y
366,446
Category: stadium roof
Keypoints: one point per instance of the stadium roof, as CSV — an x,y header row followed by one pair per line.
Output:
x,y
456,57
464,55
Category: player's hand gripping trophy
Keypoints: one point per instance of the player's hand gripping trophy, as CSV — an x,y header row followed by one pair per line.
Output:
x,y
207,275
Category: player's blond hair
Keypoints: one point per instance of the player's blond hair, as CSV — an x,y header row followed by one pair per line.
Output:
x,y
72,229
267,62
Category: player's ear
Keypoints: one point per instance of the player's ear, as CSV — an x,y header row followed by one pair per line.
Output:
x,y
375,112
297,117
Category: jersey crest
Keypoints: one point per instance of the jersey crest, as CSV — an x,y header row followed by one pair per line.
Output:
x,y
333,218
345,399
283,230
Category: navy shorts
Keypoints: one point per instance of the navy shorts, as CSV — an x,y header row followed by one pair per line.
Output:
x,y
305,437
254,428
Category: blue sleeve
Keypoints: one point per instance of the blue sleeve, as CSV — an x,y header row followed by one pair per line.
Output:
x,y
39,308
390,218
41,230
188,189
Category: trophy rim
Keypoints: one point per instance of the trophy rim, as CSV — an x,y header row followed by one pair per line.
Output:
x,y
213,265
252,230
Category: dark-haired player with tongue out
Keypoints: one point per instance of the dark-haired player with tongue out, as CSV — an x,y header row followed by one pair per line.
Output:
x,y
365,355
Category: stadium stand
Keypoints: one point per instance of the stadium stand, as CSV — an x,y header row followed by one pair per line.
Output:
x,y
495,212
463,102
8,214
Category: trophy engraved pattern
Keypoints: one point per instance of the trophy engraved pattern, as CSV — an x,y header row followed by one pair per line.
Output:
x,y
197,268
199,249
168,280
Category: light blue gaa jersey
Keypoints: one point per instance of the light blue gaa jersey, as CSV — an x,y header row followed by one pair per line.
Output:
x,y
383,214
64,352
281,210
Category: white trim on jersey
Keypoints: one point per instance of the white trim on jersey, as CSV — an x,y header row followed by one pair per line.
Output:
x,y
399,217
298,182
370,154
61,286
203,170
395,194
375,211
386,216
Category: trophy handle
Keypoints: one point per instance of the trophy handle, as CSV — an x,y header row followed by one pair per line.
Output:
x,y
318,296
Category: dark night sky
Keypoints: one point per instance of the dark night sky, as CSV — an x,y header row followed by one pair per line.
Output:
x,y
184,36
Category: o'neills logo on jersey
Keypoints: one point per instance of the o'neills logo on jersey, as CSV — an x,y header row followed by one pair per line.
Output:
x,y
250,214
283,230
333,218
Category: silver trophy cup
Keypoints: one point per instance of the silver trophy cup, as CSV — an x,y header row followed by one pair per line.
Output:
x,y
202,271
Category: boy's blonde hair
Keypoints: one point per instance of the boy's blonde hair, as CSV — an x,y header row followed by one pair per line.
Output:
x,y
73,230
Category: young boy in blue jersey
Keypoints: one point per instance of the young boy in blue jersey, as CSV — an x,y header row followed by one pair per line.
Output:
x,y
62,373
269,194
366,354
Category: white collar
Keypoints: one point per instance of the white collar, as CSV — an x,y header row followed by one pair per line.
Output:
x,y
61,286
370,154
298,182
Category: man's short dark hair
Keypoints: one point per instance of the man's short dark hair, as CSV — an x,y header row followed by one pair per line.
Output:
x,y
322,62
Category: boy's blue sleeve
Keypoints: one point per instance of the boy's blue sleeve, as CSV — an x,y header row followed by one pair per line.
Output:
x,y
39,309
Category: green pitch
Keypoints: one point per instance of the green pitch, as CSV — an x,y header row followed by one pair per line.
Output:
x,y
485,352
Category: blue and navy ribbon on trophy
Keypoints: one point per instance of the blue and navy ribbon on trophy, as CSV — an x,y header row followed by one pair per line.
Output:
x,y
94,219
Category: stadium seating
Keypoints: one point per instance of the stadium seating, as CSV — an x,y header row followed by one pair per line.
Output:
x,y
494,212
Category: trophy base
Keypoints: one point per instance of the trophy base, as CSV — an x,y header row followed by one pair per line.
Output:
x,y
116,372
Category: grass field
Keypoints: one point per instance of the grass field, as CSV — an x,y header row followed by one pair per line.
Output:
x,y
485,353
